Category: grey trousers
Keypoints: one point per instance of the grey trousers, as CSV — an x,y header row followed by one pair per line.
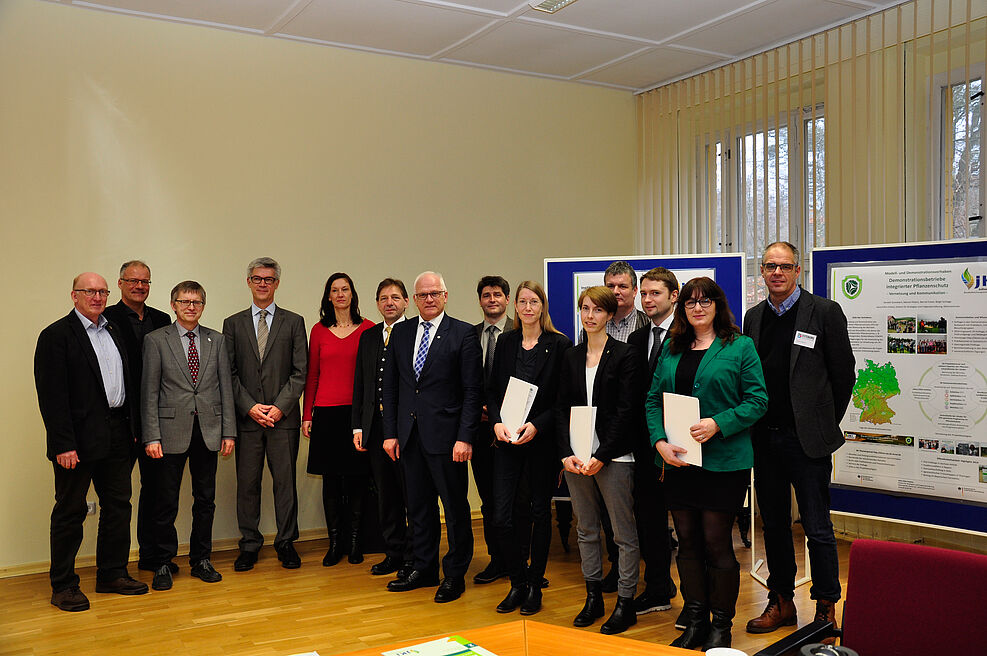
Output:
x,y
615,483
280,449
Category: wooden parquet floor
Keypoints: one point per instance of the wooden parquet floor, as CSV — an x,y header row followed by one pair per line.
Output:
x,y
272,611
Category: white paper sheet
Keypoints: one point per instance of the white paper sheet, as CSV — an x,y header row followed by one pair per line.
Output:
x,y
681,412
514,409
582,424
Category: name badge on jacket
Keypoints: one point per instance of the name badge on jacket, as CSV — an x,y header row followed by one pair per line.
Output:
x,y
807,340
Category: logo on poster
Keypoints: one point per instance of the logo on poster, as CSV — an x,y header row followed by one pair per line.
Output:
x,y
974,282
852,286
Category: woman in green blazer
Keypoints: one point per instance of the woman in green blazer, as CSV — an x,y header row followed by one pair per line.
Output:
x,y
706,356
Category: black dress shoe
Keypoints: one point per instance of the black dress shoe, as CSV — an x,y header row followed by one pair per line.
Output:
x,y
151,567
245,561
123,585
649,601
513,599
544,583
204,571
288,556
532,603
490,573
451,589
162,578
389,565
70,599
415,579
407,567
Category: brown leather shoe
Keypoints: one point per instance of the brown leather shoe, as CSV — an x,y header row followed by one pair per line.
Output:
x,y
70,599
123,585
778,613
826,612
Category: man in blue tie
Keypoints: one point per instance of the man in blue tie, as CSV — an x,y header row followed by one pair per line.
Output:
x,y
432,395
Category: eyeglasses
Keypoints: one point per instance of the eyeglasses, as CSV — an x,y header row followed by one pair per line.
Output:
x,y
426,295
136,281
93,292
184,302
703,302
770,267
270,280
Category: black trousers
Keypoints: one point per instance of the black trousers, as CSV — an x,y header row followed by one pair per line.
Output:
x,y
524,480
431,477
483,475
651,514
110,477
202,471
392,502
147,503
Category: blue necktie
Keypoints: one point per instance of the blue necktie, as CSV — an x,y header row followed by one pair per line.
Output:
x,y
422,350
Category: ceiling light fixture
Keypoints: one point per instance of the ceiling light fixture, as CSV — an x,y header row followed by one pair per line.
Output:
x,y
549,6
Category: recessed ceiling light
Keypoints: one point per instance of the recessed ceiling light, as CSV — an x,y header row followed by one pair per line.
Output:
x,y
550,6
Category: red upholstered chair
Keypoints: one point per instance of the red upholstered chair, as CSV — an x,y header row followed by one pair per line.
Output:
x,y
904,600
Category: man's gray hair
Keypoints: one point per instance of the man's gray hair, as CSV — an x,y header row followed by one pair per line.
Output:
x,y
620,268
264,263
785,244
421,275
129,263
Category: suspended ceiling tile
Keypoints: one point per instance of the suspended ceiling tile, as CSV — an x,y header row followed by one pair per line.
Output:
x,y
538,49
766,25
390,25
256,15
651,67
655,20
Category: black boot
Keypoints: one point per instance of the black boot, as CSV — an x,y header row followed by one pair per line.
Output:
x,y
692,583
724,586
335,551
622,618
593,609
744,524
356,549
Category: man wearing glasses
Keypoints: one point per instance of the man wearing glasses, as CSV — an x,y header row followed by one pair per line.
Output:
x,y
269,355
136,320
88,405
433,388
188,416
808,367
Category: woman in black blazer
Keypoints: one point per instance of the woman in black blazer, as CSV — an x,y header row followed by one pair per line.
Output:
x,y
601,372
533,353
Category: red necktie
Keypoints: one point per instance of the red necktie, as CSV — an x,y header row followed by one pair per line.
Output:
x,y
193,358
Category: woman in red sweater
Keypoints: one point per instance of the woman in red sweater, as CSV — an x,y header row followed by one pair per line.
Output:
x,y
328,396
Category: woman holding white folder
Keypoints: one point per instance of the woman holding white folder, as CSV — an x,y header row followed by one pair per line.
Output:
x,y
705,356
532,353
600,373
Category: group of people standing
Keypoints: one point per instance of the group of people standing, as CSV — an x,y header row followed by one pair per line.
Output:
x,y
407,403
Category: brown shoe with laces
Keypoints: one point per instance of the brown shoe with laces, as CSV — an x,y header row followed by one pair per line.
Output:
x,y
778,613
826,612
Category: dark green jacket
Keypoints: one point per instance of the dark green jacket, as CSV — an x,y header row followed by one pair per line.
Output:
x,y
730,388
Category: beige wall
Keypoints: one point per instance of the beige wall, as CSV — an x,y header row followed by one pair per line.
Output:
x,y
198,149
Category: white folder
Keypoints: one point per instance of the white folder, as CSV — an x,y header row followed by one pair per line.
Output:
x,y
682,412
514,409
582,425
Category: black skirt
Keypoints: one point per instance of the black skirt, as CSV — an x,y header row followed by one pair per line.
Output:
x,y
331,450
695,488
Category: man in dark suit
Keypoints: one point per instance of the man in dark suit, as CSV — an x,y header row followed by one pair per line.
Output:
x,y
432,394
368,426
659,292
188,415
136,320
808,364
494,294
87,404
269,356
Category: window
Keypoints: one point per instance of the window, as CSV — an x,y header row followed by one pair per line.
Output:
x,y
961,182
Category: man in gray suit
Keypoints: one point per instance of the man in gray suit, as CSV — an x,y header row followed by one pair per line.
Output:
x,y
269,356
188,415
808,364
